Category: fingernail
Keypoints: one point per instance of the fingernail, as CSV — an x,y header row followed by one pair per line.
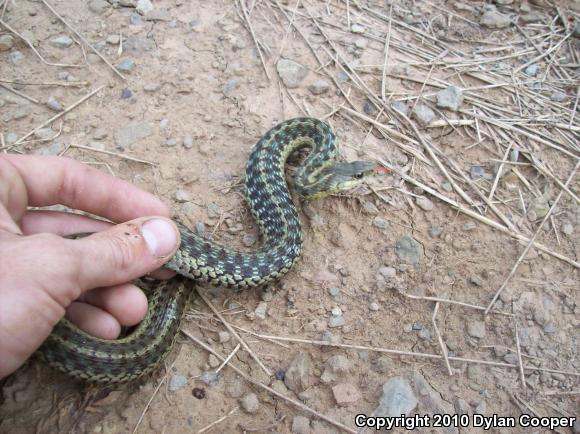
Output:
x,y
160,236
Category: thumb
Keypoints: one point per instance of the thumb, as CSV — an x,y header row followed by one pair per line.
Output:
x,y
125,251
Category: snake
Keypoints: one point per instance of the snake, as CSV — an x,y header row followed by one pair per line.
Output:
x,y
199,260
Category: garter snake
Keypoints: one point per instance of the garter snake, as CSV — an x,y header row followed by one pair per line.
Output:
x,y
81,355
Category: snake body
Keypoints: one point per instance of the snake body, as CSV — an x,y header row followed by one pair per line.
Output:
x,y
81,355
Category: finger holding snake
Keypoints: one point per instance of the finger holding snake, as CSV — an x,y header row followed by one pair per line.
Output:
x,y
44,276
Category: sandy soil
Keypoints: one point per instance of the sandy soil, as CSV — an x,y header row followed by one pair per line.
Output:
x,y
195,98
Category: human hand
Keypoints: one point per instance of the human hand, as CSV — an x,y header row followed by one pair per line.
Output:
x,y
44,277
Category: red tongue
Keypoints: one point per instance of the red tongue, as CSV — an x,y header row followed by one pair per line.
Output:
x,y
381,169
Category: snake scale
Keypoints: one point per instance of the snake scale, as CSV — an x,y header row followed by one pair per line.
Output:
x,y
83,356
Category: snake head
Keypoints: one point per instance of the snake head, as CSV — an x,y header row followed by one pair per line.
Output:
x,y
334,178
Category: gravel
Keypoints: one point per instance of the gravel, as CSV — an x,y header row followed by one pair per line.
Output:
x,y
250,403
423,114
409,250
397,399
62,41
424,203
319,87
450,98
476,329
126,65
176,382
300,425
292,73
6,42
299,374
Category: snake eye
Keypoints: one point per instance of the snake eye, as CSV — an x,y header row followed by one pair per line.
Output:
x,y
358,176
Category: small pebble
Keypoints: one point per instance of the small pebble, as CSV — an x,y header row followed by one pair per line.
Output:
x,y
380,223
213,211
532,70
126,93
176,382
15,57
476,329
224,337
62,41
53,104
333,291
182,196
374,306
250,403
423,114
280,374
549,328
199,228
187,141
476,172
357,28
319,87
388,272
435,231
126,65
567,228
336,311
213,361
113,40
211,378
261,310
424,203
476,280
336,321
6,42
425,334
249,240
469,226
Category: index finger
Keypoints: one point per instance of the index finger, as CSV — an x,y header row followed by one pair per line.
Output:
x,y
58,180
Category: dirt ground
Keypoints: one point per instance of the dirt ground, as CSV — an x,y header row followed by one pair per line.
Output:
x,y
384,267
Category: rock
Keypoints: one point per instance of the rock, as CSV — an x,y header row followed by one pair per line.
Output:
x,y
113,39
54,104
409,250
398,399
300,425
249,240
98,6
211,378
423,114
345,394
158,15
450,98
401,107
424,203
11,138
388,272
6,42
135,20
333,291
213,361
126,93
292,73
176,382
54,149
370,208
380,223
100,134
224,337
476,172
132,133
357,28
369,108
425,334
476,280
567,228
44,134
261,310
338,364
126,65
213,211
493,19
336,311
532,70
342,77
476,329
538,209
187,141
558,96
374,306
550,328
182,196
250,403
235,389
230,86
319,87
435,231
15,57
462,406
62,41
299,374
531,17
336,321
144,7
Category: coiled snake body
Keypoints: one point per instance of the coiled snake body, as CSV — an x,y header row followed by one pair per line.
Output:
x,y
81,355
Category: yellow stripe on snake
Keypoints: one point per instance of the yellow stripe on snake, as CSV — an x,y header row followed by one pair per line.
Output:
x,y
81,355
